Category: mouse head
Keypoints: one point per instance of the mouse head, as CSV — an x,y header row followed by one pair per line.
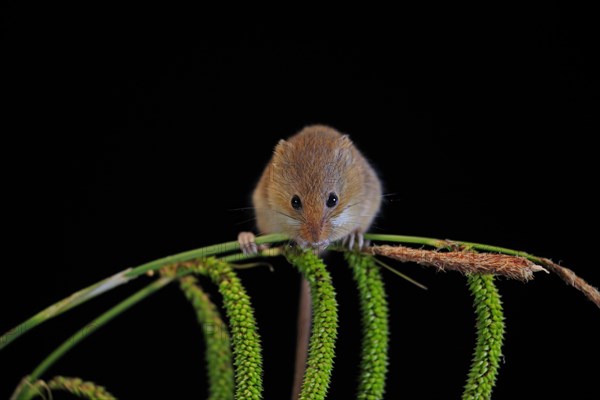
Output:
x,y
315,182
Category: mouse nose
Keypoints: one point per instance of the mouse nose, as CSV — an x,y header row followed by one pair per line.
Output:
x,y
314,232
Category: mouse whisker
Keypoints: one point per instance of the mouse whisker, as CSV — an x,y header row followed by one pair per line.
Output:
x,y
352,205
245,221
347,216
289,216
376,227
242,209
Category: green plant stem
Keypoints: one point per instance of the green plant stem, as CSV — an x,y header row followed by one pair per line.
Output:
x,y
26,390
75,386
438,243
127,275
246,342
63,305
200,253
324,328
405,239
237,257
124,276
490,334
375,329
216,338
244,332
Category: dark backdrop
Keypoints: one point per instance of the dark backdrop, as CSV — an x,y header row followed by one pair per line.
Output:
x,y
145,130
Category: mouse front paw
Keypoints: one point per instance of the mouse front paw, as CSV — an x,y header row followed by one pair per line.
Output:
x,y
355,239
248,244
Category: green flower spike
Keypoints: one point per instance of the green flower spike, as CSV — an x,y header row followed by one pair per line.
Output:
x,y
324,328
374,317
75,386
490,333
244,333
217,340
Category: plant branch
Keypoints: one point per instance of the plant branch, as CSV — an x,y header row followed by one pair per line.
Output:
x,y
129,274
567,275
75,386
126,275
246,345
439,243
325,324
244,333
490,334
303,328
375,328
216,338
200,253
87,330
462,261
572,279
63,305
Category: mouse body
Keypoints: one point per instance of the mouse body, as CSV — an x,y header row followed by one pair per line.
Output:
x,y
317,188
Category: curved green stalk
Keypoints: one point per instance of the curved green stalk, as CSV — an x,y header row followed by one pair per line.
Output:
x,y
75,386
406,239
26,390
79,297
217,340
127,275
446,243
374,317
490,333
244,333
246,342
200,253
325,325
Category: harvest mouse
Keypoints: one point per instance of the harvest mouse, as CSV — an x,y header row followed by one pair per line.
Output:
x,y
317,189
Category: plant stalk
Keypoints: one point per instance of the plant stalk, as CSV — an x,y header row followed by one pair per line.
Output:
x,y
129,274
324,325
26,390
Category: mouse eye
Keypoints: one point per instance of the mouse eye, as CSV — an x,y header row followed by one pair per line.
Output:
x,y
296,203
332,200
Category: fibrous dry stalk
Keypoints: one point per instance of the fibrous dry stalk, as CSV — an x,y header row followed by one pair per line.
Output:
x,y
572,279
463,261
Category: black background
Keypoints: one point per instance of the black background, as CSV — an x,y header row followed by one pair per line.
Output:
x,y
144,131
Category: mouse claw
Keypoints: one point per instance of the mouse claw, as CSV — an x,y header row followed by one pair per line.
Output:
x,y
247,243
356,237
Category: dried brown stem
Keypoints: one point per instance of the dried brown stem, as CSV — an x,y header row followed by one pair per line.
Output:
x,y
302,337
463,261
572,279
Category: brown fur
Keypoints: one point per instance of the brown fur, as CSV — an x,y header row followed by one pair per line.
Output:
x,y
312,164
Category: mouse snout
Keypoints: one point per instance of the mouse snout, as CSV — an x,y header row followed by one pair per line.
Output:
x,y
313,234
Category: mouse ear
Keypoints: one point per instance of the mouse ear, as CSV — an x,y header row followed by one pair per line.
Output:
x,y
279,146
282,145
345,141
343,154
